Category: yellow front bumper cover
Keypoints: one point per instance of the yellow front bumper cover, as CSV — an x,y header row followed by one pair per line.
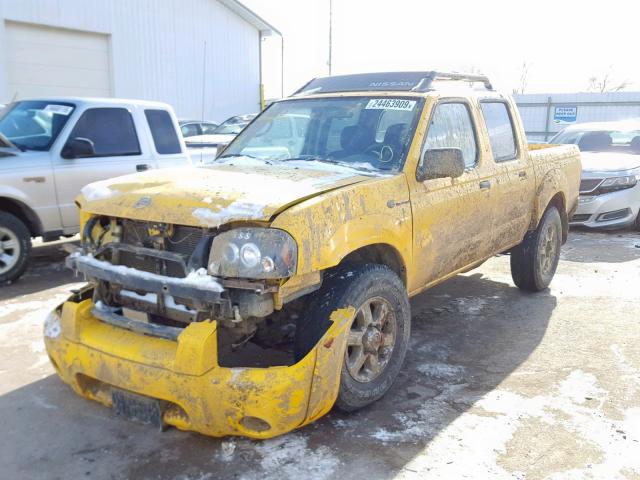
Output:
x,y
93,357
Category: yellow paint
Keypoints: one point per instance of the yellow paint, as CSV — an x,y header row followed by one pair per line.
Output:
x,y
434,228
93,357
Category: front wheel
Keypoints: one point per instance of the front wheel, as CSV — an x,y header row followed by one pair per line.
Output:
x,y
535,260
15,245
378,338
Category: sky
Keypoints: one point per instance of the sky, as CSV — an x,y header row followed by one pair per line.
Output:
x,y
563,42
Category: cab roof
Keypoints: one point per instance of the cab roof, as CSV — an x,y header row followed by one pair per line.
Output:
x,y
415,82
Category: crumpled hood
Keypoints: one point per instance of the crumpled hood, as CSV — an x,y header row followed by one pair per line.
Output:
x,y
214,195
608,161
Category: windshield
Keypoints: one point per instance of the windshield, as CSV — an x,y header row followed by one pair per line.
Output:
x,y
619,141
34,125
363,132
233,126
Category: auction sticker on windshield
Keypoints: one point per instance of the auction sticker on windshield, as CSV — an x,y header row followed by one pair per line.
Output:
x,y
390,104
59,109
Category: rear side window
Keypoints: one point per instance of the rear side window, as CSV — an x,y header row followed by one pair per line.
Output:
x,y
110,129
163,132
501,135
451,127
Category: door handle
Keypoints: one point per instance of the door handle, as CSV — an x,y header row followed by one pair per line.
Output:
x,y
522,175
141,167
485,185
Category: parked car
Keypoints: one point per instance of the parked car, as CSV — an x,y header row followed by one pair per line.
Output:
x,y
279,279
52,147
192,128
610,186
222,135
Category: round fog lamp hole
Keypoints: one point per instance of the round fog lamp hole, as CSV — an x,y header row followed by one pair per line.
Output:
x,y
250,255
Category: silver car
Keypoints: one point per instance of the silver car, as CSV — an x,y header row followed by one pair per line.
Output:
x,y
610,186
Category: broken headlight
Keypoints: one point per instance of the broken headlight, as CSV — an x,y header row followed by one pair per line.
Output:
x,y
253,253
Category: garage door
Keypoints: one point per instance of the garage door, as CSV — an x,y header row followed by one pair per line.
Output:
x,y
46,61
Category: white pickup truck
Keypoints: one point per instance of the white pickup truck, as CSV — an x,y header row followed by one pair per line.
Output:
x,y
51,147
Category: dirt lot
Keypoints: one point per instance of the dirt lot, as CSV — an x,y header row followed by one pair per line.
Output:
x,y
497,384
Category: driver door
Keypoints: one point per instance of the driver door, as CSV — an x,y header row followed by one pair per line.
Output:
x,y
452,217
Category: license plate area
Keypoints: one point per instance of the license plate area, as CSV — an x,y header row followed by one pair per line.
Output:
x,y
137,408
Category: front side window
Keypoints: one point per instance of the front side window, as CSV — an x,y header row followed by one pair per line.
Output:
x,y
34,125
189,130
498,122
163,132
208,128
451,127
356,131
111,130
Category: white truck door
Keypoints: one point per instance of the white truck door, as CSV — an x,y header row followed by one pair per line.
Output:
x,y
165,140
117,150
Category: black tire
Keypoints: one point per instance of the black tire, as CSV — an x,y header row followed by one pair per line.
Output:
x,y
379,289
15,243
535,260
636,224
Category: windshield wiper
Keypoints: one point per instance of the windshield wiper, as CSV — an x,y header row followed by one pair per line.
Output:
x,y
329,161
230,155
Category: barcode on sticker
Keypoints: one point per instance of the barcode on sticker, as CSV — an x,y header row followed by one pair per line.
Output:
x,y
390,104
59,109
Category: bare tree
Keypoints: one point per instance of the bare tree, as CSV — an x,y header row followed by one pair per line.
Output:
x,y
524,73
606,83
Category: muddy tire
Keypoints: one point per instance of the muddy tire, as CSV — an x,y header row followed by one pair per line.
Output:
x,y
15,246
535,260
379,334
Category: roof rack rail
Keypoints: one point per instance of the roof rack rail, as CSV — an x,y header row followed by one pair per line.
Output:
x,y
394,81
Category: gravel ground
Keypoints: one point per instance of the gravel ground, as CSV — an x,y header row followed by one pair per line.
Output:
x,y
497,384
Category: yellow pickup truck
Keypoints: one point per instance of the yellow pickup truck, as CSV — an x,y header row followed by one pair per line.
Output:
x,y
250,296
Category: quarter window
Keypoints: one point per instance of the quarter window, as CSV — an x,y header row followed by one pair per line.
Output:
x,y
451,127
501,135
163,132
110,129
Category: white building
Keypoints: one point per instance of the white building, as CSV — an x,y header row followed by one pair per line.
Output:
x,y
201,56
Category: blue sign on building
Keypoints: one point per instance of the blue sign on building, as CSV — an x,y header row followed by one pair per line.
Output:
x,y
564,115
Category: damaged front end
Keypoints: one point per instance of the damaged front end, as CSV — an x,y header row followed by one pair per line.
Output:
x,y
198,322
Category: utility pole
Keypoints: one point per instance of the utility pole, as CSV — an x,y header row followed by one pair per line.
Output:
x,y
330,32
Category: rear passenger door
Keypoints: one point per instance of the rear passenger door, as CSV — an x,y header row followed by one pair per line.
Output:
x,y
169,151
452,217
514,177
118,152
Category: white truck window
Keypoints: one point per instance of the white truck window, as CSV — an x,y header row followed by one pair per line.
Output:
x,y
501,135
111,130
163,132
451,127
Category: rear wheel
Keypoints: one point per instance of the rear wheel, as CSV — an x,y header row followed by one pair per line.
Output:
x,y
535,260
15,245
378,337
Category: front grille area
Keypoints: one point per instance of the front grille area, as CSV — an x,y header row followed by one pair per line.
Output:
x,y
589,184
183,240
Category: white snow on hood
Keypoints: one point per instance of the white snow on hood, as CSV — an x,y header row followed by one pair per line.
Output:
x,y
609,161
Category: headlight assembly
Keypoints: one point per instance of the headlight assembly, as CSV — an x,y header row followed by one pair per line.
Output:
x,y
253,253
613,184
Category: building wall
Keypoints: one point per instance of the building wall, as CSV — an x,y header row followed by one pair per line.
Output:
x,y
537,110
157,50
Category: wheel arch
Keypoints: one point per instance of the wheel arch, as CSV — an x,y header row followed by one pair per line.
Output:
x,y
23,212
380,253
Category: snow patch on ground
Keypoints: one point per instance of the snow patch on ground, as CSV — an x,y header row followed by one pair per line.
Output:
x,y
290,456
442,371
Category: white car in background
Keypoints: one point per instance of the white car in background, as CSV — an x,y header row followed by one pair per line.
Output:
x,y
610,185
222,135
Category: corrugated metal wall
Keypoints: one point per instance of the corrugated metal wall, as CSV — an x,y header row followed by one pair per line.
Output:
x,y
537,110
157,50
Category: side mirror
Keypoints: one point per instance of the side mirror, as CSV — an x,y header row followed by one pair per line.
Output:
x,y
441,163
78,148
